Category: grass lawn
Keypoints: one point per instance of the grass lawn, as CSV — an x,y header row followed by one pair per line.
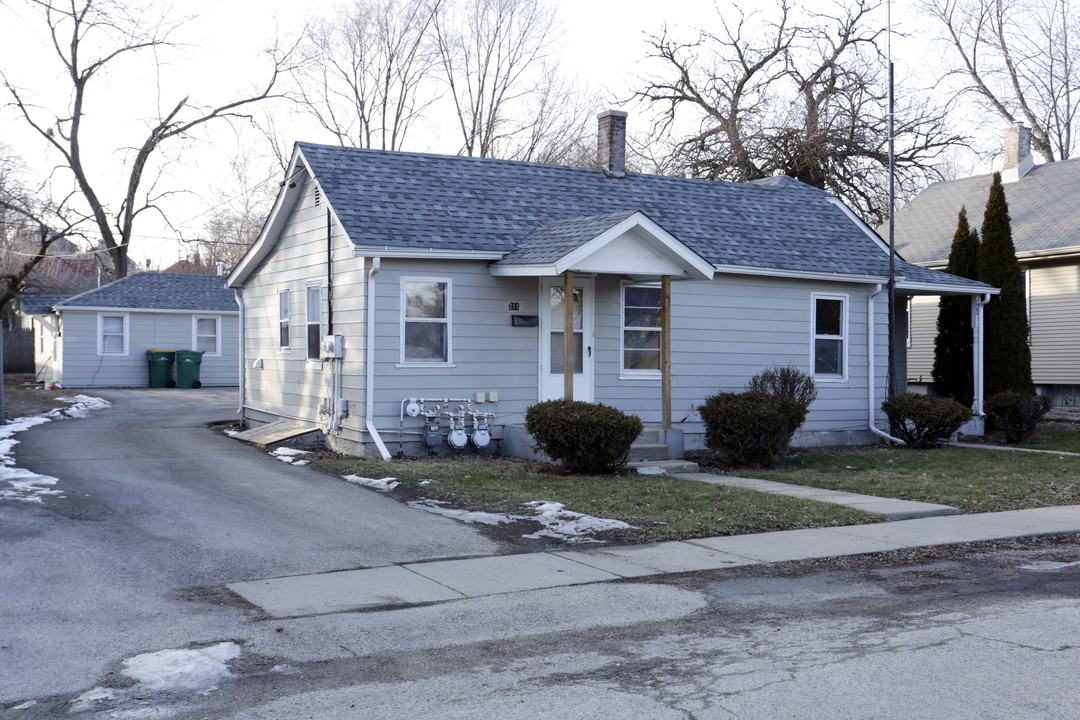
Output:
x,y
1054,436
971,479
659,507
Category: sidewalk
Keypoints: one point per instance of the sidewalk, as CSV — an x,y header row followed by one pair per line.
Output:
x,y
406,584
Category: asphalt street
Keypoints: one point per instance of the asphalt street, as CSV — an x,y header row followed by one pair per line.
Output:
x,y
128,567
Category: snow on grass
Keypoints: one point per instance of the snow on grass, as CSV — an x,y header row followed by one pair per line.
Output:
x,y
23,485
290,455
198,671
383,484
1047,565
559,523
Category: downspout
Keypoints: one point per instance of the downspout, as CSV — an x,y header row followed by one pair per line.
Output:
x,y
369,410
243,345
978,305
870,379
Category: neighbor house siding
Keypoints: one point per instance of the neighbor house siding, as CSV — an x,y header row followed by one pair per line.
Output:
x,y
1055,324
85,367
920,352
283,383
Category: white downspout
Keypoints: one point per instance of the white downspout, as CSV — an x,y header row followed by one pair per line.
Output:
x,y
871,383
243,343
978,305
369,409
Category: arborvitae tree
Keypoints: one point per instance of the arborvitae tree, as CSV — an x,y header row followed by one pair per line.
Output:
x,y
953,374
1007,357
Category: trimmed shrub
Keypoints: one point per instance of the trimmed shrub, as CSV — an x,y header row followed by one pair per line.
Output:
x,y
1016,413
588,438
923,421
785,381
751,428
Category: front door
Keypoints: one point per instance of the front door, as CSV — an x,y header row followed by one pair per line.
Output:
x,y
552,291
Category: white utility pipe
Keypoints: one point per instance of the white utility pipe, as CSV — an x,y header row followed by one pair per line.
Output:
x,y
369,410
243,403
870,377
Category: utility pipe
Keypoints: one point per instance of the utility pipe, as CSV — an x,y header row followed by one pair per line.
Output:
x,y
978,305
369,410
870,377
243,343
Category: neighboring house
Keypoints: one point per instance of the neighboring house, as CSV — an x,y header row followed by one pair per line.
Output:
x,y
445,277
100,338
1044,204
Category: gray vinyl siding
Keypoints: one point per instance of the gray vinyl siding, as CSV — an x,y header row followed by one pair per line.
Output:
x,y
920,352
1055,324
84,367
287,385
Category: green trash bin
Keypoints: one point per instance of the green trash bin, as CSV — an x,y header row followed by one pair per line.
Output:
x,y
188,363
161,362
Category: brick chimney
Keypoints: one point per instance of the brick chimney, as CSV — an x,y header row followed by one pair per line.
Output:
x,y
611,142
1018,160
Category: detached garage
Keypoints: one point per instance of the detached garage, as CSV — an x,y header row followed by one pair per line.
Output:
x,y
100,338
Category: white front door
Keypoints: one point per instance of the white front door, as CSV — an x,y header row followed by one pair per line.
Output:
x,y
551,338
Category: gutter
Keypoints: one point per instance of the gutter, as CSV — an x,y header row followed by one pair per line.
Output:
x,y
238,294
369,409
870,380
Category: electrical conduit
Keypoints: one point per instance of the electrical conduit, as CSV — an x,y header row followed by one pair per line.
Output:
x,y
369,410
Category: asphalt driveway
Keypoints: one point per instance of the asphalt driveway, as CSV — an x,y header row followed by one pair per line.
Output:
x,y
156,513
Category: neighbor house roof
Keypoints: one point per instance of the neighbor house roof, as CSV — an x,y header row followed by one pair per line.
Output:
x,y
522,213
159,291
1044,206
40,304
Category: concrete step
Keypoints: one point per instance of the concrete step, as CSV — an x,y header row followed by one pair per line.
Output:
x,y
663,467
648,451
650,436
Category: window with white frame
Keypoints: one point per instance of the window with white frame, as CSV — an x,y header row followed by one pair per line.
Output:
x,y
830,337
206,334
642,329
425,320
112,334
314,321
283,319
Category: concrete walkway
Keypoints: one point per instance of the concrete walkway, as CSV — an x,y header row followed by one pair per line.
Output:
x,y
407,584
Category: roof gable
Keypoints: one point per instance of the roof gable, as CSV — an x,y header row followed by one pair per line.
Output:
x,y
158,291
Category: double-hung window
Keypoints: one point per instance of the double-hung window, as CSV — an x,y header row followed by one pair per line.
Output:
x,y
425,320
206,334
830,337
112,334
283,319
314,321
642,330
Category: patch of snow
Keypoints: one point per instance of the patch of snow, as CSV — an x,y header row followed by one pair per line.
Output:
x,y
562,524
231,433
651,470
25,705
290,455
1047,565
467,516
426,482
90,698
81,407
301,462
384,484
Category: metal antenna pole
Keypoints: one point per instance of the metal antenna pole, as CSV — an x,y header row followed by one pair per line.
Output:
x,y
892,209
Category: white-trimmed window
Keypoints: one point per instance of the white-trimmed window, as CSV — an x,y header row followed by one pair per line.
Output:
x,y
112,334
314,321
642,330
283,318
206,334
425,320
829,330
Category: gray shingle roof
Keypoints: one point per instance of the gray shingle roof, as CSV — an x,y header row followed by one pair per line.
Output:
x,y
40,304
410,200
160,291
552,240
1044,206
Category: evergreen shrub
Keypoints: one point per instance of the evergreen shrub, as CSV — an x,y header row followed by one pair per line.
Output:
x,y
751,428
786,381
1015,413
588,438
923,421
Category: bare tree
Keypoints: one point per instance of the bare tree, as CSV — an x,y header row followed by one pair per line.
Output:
x,y
1017,57
805,97
508,97
367,74
89,38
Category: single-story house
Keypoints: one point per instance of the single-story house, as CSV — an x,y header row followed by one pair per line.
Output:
x,y
383,279
99,338
1043,202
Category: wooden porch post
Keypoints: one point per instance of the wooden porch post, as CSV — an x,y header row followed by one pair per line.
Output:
x,y
665,353
568,336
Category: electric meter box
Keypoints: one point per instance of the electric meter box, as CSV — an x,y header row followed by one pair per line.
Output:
x,y
333,347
